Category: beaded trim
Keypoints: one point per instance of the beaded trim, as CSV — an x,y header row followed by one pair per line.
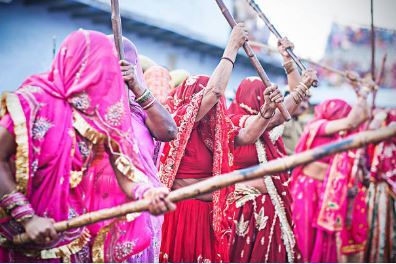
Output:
x,y
287,233
248,108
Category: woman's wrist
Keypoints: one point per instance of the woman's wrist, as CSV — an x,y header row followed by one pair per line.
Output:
x,y
139,190
17,206
136,88
231,51
266,112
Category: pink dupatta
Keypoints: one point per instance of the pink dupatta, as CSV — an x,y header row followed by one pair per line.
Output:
x,y
80,102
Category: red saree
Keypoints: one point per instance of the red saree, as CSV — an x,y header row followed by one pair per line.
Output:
x,y
217,133
261,223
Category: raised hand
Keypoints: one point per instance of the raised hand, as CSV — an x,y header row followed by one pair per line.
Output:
x,y
239,35
284,44
272,96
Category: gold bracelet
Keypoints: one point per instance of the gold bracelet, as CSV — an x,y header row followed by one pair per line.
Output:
x,y
305,86
289,67
287,62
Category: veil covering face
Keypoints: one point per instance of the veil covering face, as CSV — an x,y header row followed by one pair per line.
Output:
x,y
56,118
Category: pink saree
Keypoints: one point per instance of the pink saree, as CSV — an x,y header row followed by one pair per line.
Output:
x,y
329,222
60,120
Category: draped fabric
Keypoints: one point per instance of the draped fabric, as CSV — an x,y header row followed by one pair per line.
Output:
x,y
215,130
334,224
59,117
381,246
261,227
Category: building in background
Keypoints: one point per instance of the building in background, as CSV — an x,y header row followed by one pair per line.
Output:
x,y
175,33
349,48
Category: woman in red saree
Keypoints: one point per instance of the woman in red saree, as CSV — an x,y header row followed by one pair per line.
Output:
x,y
203,148
382,195
258,211
51,130
320,189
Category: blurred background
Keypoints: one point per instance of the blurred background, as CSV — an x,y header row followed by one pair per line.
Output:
x,y
191,35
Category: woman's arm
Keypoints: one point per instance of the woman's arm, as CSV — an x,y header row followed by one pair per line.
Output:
x,y
159,121
39,229
357,115
256,125
296,96
159,202
8,148
218,80
293,76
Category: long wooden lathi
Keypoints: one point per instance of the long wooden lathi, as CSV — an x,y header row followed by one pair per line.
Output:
x,y
274,31
117,27
252,57
314,63
221,181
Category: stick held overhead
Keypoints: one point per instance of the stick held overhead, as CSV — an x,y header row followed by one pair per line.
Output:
x,y
117,27
274,31
221,181
252,57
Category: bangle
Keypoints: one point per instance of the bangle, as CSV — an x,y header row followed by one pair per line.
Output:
x,y
226,58
17,205
7,195
289,67
139,190
22,213
147,106
263,115
12,200
144,97
287,63
304,85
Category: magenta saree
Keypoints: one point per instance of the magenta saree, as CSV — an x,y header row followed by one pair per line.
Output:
x,y
59,120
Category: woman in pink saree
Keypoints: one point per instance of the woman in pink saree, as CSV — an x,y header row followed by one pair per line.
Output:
x,y
53,128
320,189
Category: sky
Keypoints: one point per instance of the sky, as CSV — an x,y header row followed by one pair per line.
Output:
x,y
307,23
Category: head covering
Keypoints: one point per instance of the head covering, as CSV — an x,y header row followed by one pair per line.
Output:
x,y
332,109
158,81
146,62
216,131
81,99
247,102
178,77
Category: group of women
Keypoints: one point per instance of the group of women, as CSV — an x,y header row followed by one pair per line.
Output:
x,y
89,134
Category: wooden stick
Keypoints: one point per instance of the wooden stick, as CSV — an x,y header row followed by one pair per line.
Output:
x,y
372,41
117,27
253,58
274,31
53,47
379,81
221,181
314,63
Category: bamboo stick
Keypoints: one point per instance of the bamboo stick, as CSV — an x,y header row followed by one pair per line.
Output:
x,y
314,63
274,31
379,81
221,181
117,27
253,58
